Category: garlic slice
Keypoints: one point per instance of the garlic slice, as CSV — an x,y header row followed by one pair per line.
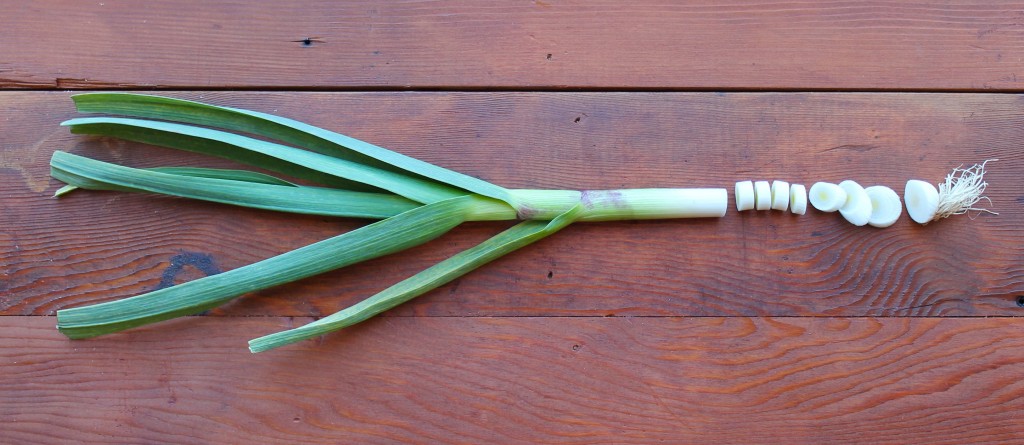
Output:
x,y
780,195
922,200
762,195
826,196
886,207
798,199
857,209
744,195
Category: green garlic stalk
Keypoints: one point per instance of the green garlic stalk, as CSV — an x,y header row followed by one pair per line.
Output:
x,y
415,202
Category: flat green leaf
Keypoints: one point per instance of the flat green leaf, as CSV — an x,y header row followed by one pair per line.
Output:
x,y
515,238
223,150
235,175
228,187
261,153
65,190
387,236
283,129
219,173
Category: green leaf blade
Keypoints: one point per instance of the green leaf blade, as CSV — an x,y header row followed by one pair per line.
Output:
x,y
86,173
516,237
228,174
391,235
283,129
269,155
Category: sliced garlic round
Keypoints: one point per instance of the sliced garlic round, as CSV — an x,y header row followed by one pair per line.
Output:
x,y
857,209
886,207
780,195
826,196
922,200
798,199
762,195
744,195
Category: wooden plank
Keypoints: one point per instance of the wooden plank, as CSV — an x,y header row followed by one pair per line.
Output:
x,y
95,246
833,44
522,380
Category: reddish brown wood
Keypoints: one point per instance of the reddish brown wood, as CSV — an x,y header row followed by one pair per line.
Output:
x,y
95,246
755,328
522,380
834,44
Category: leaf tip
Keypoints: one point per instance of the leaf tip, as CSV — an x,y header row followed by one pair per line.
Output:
x,y
64,190
256,348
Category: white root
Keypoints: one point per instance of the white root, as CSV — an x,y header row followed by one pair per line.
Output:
x,y
964,187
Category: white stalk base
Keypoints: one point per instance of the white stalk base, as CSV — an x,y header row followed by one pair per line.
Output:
x,y
626,204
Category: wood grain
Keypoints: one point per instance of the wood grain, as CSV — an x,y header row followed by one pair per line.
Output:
x,y
550,44
756,328
96,246
522,380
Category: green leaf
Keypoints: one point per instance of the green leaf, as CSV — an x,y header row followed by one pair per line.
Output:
x,y
248,189
218,173
282,129
227,151
391,235
260,153
459,264
64,190
235,175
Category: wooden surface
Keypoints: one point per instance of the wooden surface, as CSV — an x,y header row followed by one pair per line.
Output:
x,y
753,328
822,265
580,380
831,44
